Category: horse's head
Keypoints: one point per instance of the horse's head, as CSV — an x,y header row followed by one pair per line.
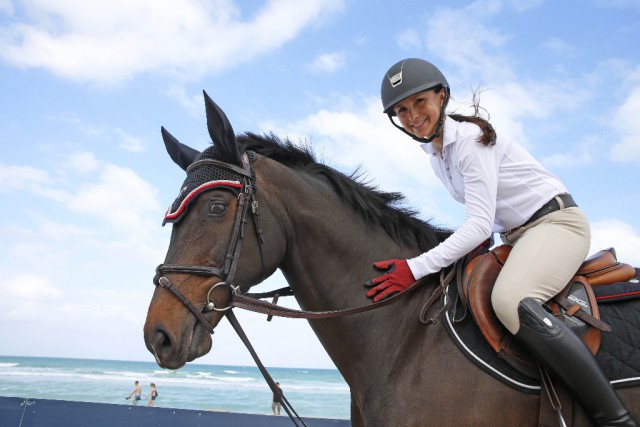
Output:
x,y
214,222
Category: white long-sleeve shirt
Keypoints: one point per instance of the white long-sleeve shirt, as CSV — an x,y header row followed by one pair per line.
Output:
x,y
501,187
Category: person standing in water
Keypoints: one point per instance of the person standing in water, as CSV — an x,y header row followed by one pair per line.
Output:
x,y
152,395
136,393
277,400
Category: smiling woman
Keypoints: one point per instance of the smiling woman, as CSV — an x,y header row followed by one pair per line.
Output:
x,y
420,112
504,190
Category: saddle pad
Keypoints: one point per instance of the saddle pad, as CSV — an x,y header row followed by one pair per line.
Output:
x,y
619,355
466,334
618,291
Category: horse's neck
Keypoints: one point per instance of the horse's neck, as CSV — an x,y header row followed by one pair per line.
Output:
x,y
330,255
332,250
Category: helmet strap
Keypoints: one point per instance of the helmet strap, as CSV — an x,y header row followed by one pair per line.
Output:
x,y
417,138
439,127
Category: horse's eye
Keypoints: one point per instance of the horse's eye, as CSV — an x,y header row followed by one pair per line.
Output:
x,y
217,208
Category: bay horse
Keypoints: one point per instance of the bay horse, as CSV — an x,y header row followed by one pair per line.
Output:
x,y
323,230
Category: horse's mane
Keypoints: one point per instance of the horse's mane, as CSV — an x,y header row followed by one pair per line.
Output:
x,y
377,207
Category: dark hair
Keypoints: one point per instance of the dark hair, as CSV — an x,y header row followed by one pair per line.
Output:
x,y
488,136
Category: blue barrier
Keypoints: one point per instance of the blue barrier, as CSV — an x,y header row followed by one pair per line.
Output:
x,y
21,412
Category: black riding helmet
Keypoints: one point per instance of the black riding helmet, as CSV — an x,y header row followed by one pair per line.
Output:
x,y
408,77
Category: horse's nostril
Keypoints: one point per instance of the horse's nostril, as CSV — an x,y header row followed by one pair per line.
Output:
x,y
161,339
160,343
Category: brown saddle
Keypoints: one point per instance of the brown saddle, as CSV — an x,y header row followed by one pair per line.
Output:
x,y
575,305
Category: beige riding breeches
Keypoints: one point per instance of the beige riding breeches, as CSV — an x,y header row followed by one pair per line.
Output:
x,y
546,254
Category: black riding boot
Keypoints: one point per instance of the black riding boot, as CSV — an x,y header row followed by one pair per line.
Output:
x,y
560,350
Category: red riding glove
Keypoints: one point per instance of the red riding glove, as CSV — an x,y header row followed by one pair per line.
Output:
x,y
397,278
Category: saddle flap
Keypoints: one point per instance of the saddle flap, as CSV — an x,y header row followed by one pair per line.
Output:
x,y
577,300
478,278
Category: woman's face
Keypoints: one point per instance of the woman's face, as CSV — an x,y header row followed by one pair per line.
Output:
x,y
419,113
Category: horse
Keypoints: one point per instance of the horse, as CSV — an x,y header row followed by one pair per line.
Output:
x,y
324,230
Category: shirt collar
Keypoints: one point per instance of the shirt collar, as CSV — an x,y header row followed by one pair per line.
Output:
x,y
449,136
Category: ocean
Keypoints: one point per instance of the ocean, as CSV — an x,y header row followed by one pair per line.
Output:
x,y
320,393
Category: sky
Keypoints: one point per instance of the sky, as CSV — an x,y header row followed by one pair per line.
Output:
x,y
85,179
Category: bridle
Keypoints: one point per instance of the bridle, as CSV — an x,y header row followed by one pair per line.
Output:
x,y
235,296
246,198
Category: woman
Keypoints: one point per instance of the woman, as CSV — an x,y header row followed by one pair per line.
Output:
x,y
153,395
505,190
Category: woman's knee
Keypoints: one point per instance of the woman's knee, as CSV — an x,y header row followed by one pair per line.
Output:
x,y
505,307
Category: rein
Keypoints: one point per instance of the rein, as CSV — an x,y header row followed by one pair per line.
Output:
x,y
251,302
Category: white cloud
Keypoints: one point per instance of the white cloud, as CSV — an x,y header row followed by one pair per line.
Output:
x,y
108,42
468,46
511,103
524,5
83,162
112,306
34,300
192,104
620,4
559,47
116,135
328,62
129,142
6,6
101,209
119,197
409,39
578,156
626,123
615,233
30,287
24,178
58,231
90,130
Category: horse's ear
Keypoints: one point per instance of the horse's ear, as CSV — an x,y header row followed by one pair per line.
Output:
x,y
181,154
221,133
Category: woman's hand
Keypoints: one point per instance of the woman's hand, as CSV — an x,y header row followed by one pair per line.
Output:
x,y
397,278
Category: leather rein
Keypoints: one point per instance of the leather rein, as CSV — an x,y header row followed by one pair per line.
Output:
x,y
252,301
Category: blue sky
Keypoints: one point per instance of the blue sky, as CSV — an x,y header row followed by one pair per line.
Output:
x,y
86,85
